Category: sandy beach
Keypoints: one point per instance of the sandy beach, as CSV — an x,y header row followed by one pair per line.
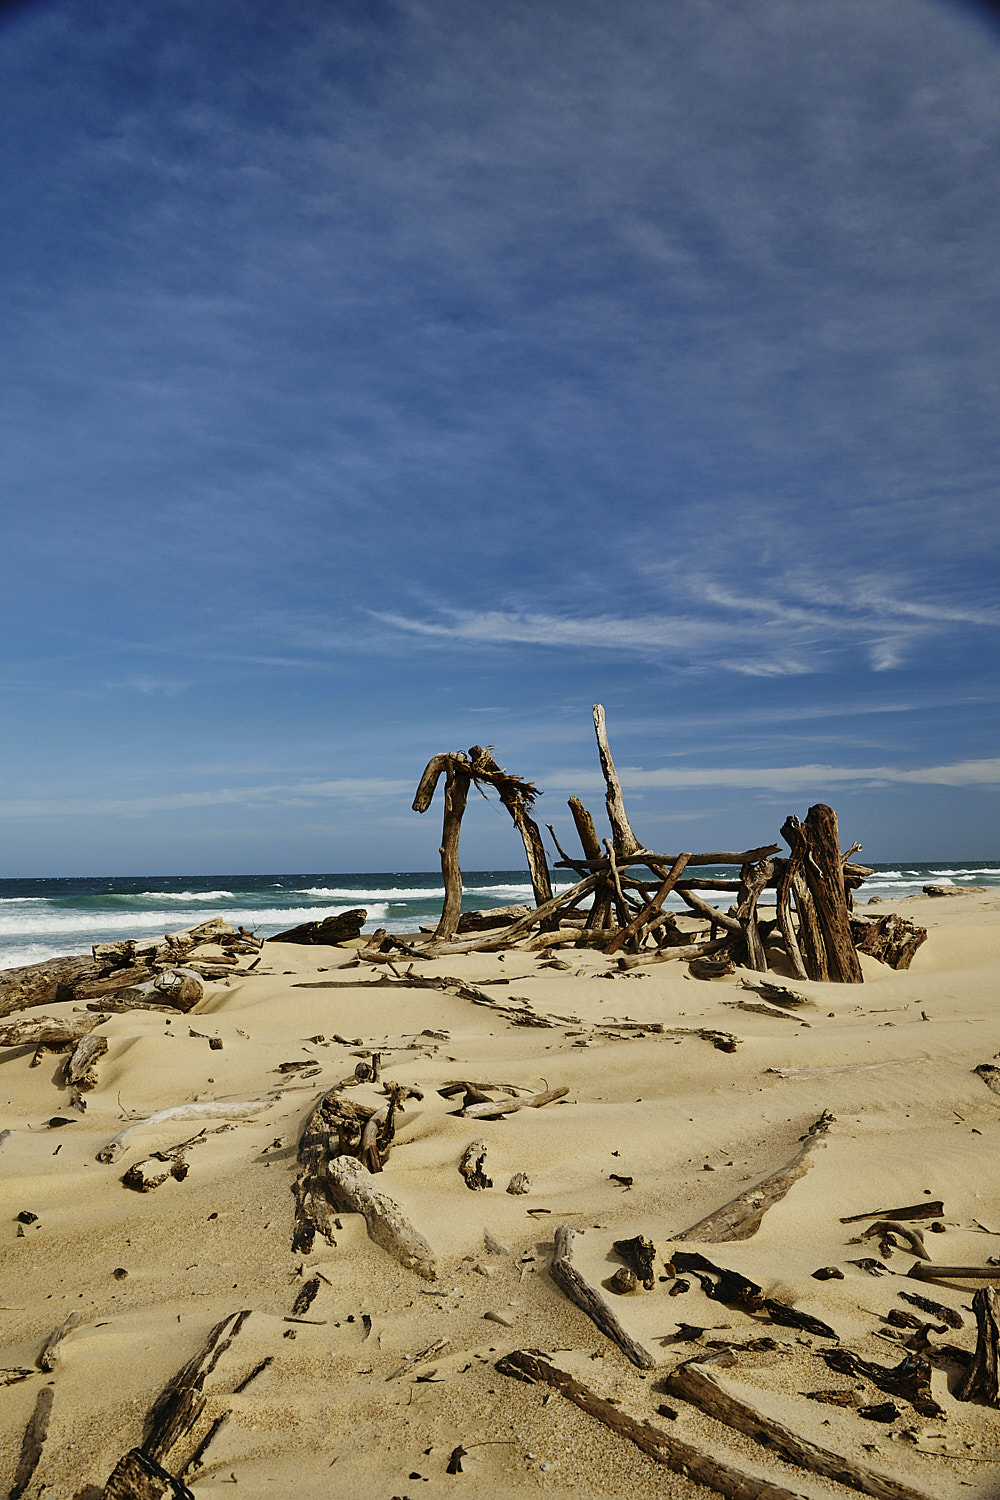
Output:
x,y
659,1127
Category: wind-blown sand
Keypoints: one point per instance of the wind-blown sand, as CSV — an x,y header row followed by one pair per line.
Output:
x,y
691,1125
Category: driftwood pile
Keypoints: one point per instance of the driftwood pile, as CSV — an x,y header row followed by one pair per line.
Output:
x,y
165,971
812,930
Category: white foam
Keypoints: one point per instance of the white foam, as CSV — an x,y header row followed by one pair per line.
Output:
x,y
392,893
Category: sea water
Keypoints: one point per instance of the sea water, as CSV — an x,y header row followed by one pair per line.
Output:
x,y
45,918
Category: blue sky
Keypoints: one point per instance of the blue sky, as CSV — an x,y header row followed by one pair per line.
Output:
x,y
384,378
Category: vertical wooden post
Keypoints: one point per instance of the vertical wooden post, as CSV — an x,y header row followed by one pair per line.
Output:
x,y
824,874
456,794
786,870
753,879
625,840
600,909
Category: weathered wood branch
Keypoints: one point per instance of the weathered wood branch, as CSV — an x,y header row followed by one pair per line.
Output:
x,y
625,841
693,1383
712,913
491,1111
981,1379
182,1400
209,1110
753,879
650,860
643,918
589,1299
138,1477
741,1217
680,1457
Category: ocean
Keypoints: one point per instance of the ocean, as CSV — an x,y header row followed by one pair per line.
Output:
x,y
46,918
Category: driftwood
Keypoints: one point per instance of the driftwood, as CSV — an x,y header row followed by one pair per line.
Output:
x,y
81,1066
51,1351
32,1443
981,1379
138,1477
891,939
936,1309
181,1402
419,1358
644,917
349,1190
533,1366
114,968
625,841
693,1383
210,1110
815,843
46,1034
741,1216
639,1254
932,1209
753,879
923,1271
473,1166
890,1233
516,796
589,1299
340,928
910,1380
494,1111
735,1290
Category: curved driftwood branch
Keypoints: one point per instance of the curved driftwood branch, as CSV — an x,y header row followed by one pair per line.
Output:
x,y
210,1110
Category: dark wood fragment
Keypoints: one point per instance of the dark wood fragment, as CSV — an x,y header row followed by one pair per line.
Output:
x,y
928,1210
910,1379
936,1309
329,931
139,1477
639,1254
730,1287
981,1381
181,1402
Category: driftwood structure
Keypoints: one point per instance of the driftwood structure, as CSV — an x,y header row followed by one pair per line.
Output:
x,y
613,908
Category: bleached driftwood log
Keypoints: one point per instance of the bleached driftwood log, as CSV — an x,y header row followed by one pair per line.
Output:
x,y
589,1299
741,1216
350,1189
209,1110
81,1066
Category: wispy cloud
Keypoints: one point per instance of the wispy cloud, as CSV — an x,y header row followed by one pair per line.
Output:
x,y
812,777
